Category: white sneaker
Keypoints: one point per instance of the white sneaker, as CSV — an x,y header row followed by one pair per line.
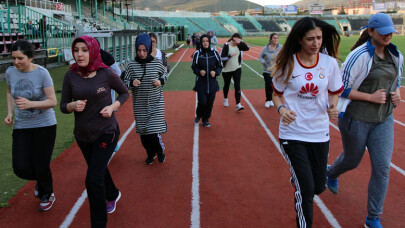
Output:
x,y
226,102
267,104
271,104
239,107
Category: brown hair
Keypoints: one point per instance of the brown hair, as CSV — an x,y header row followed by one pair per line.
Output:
x,y
362,39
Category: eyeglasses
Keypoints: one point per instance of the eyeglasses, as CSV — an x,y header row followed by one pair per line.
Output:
x,y
154,41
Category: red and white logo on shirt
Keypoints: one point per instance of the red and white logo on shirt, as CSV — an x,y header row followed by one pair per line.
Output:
x,y
309,88
309,76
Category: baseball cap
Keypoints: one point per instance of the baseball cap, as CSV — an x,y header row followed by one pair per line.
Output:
x,y
382,22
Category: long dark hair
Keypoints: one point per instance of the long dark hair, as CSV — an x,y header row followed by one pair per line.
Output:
x,y
285,60
362,39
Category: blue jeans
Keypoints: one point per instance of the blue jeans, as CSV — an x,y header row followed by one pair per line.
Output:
x,y
379,140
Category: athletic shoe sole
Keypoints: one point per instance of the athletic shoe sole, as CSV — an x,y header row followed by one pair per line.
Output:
x,y
116,200
44,206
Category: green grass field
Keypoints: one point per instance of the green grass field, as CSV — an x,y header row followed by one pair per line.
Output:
x,y
180,79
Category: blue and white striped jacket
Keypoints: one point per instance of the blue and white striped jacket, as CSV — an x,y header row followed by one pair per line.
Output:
x,y
357,66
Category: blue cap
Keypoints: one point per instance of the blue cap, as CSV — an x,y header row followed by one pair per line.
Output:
x,y
382,22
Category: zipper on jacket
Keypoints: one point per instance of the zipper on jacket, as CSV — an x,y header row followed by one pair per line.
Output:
x,y
208,75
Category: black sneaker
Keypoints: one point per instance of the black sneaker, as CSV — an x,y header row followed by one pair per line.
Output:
x,y
149,160
207,124
197,119
162,157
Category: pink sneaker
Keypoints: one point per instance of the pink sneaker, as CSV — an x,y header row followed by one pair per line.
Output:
x,y
111,205
46,204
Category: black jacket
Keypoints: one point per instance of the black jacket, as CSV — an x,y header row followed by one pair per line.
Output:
x,y
225,50
208,61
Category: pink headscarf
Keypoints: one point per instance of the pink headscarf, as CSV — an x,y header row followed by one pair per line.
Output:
x,y
95,61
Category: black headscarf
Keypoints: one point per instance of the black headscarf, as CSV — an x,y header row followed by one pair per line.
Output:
x,y
107,58
202,49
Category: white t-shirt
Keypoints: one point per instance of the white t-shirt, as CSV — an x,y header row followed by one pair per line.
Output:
x,y
159,55
306,93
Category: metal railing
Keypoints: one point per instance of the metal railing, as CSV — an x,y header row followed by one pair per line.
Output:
x,y
121,43
45,33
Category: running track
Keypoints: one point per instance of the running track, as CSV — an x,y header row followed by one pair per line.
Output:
x,y
229,175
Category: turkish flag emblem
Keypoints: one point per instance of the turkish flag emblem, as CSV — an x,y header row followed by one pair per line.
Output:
x,y
309,76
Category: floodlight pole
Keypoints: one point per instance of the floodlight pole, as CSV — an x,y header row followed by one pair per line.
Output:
x,y
112,4
104,7
126,4
95,7
79,8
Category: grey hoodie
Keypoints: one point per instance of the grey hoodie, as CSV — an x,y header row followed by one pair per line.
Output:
x,y
268,57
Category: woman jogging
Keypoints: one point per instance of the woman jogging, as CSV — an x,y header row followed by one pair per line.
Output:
x,y
157,53
231,56
31,97
145,77
268,59
206,66
86,92
213,40
309,82
372,78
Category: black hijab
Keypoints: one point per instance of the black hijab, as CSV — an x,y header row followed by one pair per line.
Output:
x,y
202,49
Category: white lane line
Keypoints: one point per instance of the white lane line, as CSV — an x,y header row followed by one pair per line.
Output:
x,y
254,51
253,70
171,70
328,215
70,217
401,171
72,214
251,56
179,47
195,202
400,123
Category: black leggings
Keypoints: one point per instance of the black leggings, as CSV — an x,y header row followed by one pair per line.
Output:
x,y
308,171
153,144
236,75
99,183
268,86
32,152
